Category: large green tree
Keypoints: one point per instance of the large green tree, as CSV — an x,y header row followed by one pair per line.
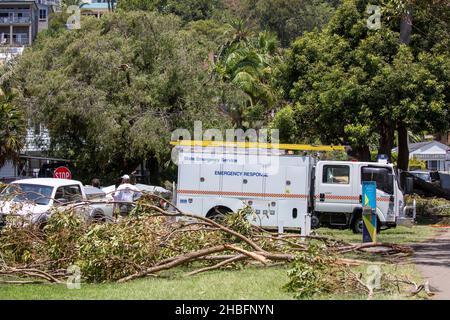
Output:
x,y
287,18
188,10
112,92
351,84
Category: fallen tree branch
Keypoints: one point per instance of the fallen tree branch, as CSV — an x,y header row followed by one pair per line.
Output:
x,y
211,222
175,262
219,265
30,272
252,255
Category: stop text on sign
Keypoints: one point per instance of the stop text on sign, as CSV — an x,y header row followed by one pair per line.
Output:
x,y
62,173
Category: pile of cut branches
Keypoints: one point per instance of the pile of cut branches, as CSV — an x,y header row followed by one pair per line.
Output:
x,y
152,240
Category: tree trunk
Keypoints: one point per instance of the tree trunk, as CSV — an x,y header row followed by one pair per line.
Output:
x,y
403,150
405,38
361,153
406,25
155,172
364,153
386,143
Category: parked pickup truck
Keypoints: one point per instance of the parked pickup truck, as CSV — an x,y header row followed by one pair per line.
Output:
x,y
36,199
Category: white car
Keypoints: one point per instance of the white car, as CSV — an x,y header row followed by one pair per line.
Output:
x,y
35,199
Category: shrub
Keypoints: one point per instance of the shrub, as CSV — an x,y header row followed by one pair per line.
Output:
x,y
430,206
315,272
112,251
239,221
20,243
63,232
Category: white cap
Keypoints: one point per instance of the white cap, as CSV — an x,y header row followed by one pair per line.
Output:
x,y
125,176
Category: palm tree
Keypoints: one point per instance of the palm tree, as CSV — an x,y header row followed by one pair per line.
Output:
x,y
12,130
246,63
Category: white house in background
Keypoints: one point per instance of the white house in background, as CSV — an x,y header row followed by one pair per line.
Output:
x,y
32,157
435,153
20,22
96,8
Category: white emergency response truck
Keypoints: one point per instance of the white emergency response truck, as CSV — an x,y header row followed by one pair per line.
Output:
x,y
284,190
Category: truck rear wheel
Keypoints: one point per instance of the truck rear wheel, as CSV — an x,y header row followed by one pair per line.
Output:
x,y
98,216
217,213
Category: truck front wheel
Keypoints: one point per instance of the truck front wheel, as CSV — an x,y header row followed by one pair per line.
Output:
x,y
315,221
357,225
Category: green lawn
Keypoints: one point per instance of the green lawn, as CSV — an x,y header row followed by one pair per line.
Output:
x,y
396,235
253,283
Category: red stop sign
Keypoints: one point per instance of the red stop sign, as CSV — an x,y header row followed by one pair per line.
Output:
x,y
62,173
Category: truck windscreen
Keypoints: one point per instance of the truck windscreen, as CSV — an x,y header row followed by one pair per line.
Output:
x,y
382,176
27,192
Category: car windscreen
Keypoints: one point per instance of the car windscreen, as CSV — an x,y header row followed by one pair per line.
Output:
x,y
382,176
21,192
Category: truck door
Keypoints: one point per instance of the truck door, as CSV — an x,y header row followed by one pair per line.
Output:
x,y
292,210
210,176
188,177
274,185
232,180
334,187
384,178
252,180
188,187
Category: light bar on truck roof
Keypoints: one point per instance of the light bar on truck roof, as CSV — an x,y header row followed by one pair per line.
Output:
x,y
255,145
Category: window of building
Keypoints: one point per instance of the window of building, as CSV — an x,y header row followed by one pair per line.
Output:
x,y
37,128
42,14
433,165
336,174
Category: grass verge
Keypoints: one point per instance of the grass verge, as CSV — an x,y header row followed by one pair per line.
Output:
x,y
400,234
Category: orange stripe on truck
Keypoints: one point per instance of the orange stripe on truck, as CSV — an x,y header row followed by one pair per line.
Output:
x,y
270,195
338,197
243,194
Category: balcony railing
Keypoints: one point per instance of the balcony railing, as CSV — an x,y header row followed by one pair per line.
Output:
x,y
9,20
19,39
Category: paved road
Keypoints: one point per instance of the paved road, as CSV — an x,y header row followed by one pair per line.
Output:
x,y
432,258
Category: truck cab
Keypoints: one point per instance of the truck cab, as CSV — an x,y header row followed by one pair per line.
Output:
x,y
337,195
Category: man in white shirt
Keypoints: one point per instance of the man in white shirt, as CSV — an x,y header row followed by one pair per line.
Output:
x,y
126,193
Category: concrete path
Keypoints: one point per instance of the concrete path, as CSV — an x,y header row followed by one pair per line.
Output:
x,y
432,258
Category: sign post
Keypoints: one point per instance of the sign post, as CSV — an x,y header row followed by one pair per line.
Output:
x,y
62,173
369,215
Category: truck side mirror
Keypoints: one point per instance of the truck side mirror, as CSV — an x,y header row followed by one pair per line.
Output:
x,y
390,183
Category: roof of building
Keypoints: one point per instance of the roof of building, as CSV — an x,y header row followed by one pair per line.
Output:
x,y
94,6
18,2
42,2
420,147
